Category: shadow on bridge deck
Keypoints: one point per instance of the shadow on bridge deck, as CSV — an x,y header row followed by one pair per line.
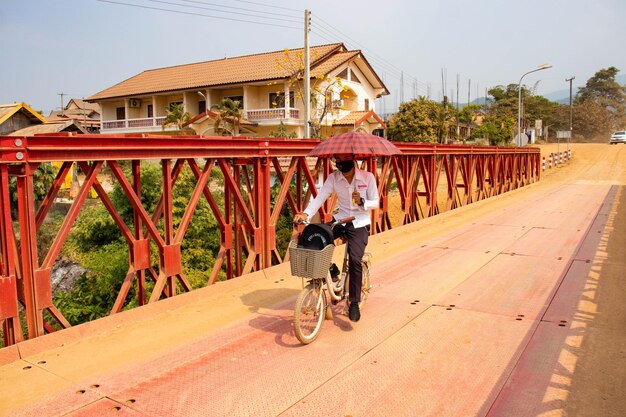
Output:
x,y
480,311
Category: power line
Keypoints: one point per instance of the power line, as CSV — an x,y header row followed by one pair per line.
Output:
x,y
198,14
370,52
268,5
222,11
373,56
239,8
324,37
375,60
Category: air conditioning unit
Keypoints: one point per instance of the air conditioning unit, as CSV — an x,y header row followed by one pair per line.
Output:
x,y
337,104
134,103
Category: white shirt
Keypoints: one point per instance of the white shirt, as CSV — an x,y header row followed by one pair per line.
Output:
x,y
363,182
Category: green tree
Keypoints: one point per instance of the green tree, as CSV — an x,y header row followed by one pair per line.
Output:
x,y
421,120
589,120
540,108
176,115
282,132
496,129
602,94
603,89
502,112
42,181
229,114
468,113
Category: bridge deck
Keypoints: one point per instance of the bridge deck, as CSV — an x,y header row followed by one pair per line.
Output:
x,y
483,314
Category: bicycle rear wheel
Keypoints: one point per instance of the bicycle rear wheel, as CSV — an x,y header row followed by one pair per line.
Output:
x,y
309,312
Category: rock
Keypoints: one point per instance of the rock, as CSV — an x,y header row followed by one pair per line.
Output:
x,y
64,275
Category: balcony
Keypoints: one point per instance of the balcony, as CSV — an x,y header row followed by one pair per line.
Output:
x,y
272,115
132,125
154,124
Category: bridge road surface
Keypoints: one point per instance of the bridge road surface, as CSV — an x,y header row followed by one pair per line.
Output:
x,y
507,307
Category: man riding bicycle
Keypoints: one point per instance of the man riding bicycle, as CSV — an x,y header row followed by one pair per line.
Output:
x,y
357,194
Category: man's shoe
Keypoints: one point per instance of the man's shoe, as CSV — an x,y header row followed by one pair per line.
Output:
x,y
354,313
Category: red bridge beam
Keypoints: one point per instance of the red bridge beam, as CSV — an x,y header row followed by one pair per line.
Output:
x,y
428,178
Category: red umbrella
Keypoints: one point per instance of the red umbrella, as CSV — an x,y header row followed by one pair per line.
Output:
x,y
356,143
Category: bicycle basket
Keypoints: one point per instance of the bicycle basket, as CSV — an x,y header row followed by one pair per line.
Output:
x,y
310,263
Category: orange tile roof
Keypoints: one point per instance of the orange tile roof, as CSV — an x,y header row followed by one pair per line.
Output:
x,y
350,118
213,115
357,118
333,62
53,127
8,110
243,69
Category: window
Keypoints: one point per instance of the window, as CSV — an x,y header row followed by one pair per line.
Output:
x,y
344,74
237,98
367,104
150,110
120,113
175,103
278,100
201,106
354,78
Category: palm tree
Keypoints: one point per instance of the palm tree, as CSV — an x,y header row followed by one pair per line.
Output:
x,y
229,114
176,115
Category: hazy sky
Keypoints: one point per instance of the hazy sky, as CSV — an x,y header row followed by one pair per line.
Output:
x,y
80,47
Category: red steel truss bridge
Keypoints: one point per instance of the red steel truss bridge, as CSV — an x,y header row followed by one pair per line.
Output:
x,y
429,179
494,294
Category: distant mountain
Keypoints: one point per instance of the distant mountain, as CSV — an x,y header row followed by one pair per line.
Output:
x,y
562,96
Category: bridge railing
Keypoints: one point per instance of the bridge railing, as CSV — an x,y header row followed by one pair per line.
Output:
x,y
424,181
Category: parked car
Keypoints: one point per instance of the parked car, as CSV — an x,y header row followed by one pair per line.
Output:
x,y
618,137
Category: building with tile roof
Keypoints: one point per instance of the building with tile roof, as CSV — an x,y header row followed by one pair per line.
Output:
x,y
85,114
19,119
50,127
18,116
367,121
265,84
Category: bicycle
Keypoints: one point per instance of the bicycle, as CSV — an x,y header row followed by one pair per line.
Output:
x,y
312,305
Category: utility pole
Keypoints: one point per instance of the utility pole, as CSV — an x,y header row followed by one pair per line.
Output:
x,y
570,110
443,86
477,93
457,93
62,103
401,87
382,99
469,88
307,75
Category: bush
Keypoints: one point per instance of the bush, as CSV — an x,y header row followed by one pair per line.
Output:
x,y
95,292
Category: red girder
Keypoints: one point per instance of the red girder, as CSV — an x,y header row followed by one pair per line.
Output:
x,y
248,218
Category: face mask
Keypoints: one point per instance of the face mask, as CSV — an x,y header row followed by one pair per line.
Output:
x,y
345,166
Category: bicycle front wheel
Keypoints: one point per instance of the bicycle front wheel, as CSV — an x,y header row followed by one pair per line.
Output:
x,y
309,312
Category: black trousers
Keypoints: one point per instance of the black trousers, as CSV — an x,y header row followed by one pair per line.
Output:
x,y
357,241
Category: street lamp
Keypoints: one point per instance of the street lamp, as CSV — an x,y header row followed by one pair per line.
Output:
x,y
206,101
519,101
206,106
